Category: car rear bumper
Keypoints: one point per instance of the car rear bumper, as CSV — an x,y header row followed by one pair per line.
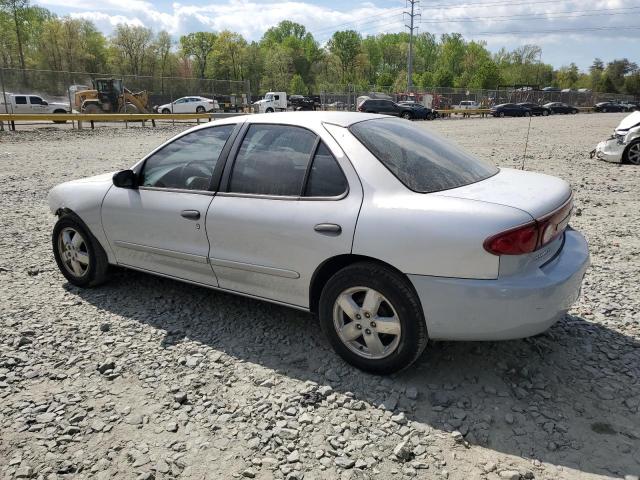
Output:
x,y
610,150
516,306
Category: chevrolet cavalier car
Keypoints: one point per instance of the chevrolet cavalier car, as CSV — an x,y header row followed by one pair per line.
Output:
x,y
624,145
388,233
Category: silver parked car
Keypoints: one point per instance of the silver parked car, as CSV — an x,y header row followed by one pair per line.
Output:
x,y
390,234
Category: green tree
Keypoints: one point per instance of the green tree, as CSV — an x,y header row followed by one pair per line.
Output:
x,y
297,85
17,9
199,46
228,52
632,84
346,46
130,47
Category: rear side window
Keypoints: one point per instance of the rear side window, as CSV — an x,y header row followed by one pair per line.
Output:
x,y
21,100
188,162
325,177
272,160
422,161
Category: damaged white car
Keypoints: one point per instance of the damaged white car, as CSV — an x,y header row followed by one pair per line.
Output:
x,y
624,145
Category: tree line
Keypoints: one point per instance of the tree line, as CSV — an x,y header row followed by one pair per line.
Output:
x,y
288,57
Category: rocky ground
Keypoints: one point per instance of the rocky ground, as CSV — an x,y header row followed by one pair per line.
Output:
x,y
150,378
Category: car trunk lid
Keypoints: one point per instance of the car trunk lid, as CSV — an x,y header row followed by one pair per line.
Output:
x,y
535,193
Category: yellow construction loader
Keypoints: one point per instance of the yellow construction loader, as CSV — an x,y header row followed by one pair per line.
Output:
x,y
109,96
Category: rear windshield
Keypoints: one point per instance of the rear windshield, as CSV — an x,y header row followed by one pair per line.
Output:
x,y
422,161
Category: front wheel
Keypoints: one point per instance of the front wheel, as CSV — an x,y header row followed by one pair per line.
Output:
x,y
527,114
545,113
406,115
373,319
632,154
269,110
79,256
501,114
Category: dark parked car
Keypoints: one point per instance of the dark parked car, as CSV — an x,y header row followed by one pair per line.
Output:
x,y
387,107
559,107
510,110
420,111
609,107
300,102
536,109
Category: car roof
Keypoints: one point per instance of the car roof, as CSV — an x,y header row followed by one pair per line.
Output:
x,y
303,119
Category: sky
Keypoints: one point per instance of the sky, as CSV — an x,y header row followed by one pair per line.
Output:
x,y
567,30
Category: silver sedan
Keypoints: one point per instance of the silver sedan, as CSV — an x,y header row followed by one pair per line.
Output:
x,y
388,233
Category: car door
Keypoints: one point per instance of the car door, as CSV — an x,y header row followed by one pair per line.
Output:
x,y
21,105
36,105
179,106
290,201
159,226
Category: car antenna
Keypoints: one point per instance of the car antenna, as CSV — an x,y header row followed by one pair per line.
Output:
x,y
526,142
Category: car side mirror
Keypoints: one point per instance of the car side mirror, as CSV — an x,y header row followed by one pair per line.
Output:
x,y
125,179
44,103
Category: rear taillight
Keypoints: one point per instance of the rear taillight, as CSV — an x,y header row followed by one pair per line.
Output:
x,y
516,241
532,236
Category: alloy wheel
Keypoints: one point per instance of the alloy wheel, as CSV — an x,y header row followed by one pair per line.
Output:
x,y
73,252
366,322
633,155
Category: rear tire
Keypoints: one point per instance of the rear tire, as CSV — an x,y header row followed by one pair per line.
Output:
x,y
79,256
200,109
362,337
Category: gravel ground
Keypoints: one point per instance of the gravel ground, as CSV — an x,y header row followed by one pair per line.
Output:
x,y
150,378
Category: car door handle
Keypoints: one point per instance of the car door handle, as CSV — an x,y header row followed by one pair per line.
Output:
x,y
328,228
190,214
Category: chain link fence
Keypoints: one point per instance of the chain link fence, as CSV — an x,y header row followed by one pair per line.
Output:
x,y
345,97
55,86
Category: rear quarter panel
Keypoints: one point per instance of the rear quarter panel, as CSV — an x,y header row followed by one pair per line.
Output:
x,y
422,234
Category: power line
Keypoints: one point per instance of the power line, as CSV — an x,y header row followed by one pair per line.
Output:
x,y
412,16
499,18
330,27
560,30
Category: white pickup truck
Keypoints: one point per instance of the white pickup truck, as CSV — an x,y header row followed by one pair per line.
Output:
x,y
467,105
21,103
272,102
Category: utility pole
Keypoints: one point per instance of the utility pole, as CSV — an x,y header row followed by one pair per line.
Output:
x,y
412,16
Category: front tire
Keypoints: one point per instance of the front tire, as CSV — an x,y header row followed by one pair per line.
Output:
x,y
632,154
406,115
501,114
545,113
166,111
269,110
372,317
79,256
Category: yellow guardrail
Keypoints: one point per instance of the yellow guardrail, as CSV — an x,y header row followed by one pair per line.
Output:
x,y
11,118
468,111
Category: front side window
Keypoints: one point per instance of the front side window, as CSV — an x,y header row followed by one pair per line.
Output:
x,y
35,100
325,177
422,161
272,160
188,162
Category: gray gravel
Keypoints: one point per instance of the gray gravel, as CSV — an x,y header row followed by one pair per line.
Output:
x,y
149,378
